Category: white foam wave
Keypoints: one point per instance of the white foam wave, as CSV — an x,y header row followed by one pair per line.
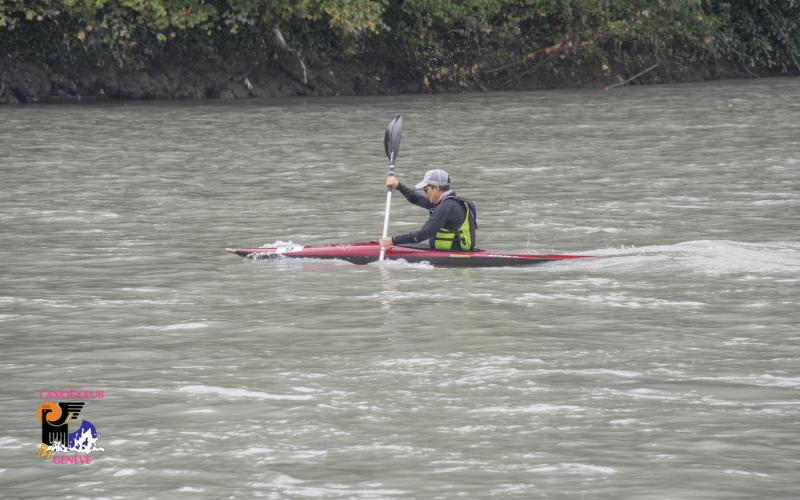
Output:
x,y
240,393
255,450
614,299
764,380
186,326
402,264
294,488
592,372
57,304
177,326
422,361
305,389
586,229
745,473
10,443
104,302
574,468
75,215
706,256
283,246
625,421
125,472
536,408
645,393
396,296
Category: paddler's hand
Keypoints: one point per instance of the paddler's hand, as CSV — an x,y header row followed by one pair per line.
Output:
x,y
392,182
386,242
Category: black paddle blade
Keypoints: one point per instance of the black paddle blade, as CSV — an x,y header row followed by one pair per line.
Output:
x,y
391,140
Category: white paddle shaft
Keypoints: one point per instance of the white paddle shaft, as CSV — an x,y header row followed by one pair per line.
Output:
x,y
386,219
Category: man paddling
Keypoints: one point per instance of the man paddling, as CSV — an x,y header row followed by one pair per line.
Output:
x,y
452,222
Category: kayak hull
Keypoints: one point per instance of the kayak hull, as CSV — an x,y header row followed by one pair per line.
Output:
x,y
364,253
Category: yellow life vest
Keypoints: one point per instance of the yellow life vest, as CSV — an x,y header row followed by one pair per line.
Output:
x,y
444,238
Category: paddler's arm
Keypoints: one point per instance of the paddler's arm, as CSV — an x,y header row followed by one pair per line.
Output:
x,y
410,194
435,222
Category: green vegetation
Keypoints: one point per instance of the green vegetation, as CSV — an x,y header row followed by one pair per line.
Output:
x,y
430,40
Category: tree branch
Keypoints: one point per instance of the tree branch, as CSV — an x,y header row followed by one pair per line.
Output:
x,y
296,52
634,77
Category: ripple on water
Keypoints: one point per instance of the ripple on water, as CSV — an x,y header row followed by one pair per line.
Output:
x,y
661,368
235,393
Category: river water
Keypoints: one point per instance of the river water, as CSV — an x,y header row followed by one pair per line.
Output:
x,y
666,367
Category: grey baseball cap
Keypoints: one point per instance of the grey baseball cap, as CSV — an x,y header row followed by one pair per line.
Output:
x,y
435,177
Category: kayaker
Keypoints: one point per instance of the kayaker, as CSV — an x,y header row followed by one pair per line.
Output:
x,y
453,220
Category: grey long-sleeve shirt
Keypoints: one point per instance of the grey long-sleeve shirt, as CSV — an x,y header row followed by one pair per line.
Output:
x,y
448,213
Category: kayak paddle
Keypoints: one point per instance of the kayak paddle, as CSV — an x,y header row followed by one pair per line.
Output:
x,y
391,142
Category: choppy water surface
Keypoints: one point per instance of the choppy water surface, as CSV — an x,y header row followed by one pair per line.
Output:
x,y
665,367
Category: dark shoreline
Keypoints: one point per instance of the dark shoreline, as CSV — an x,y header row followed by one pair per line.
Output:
x,y
24,82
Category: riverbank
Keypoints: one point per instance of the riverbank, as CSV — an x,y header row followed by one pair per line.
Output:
x,y
31,82
198,50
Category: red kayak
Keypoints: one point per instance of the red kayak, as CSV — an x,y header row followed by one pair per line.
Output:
x,y
364,253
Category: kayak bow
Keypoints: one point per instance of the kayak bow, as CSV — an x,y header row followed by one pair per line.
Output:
x,y
364,253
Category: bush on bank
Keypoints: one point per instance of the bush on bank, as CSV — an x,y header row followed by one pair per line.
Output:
x,y
465,42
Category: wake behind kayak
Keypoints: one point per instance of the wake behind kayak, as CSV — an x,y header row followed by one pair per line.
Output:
x,y
364,253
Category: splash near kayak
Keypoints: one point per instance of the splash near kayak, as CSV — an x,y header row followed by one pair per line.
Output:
x,y
364,253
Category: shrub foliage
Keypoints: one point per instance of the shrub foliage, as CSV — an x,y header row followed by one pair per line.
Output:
x,y
420,35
